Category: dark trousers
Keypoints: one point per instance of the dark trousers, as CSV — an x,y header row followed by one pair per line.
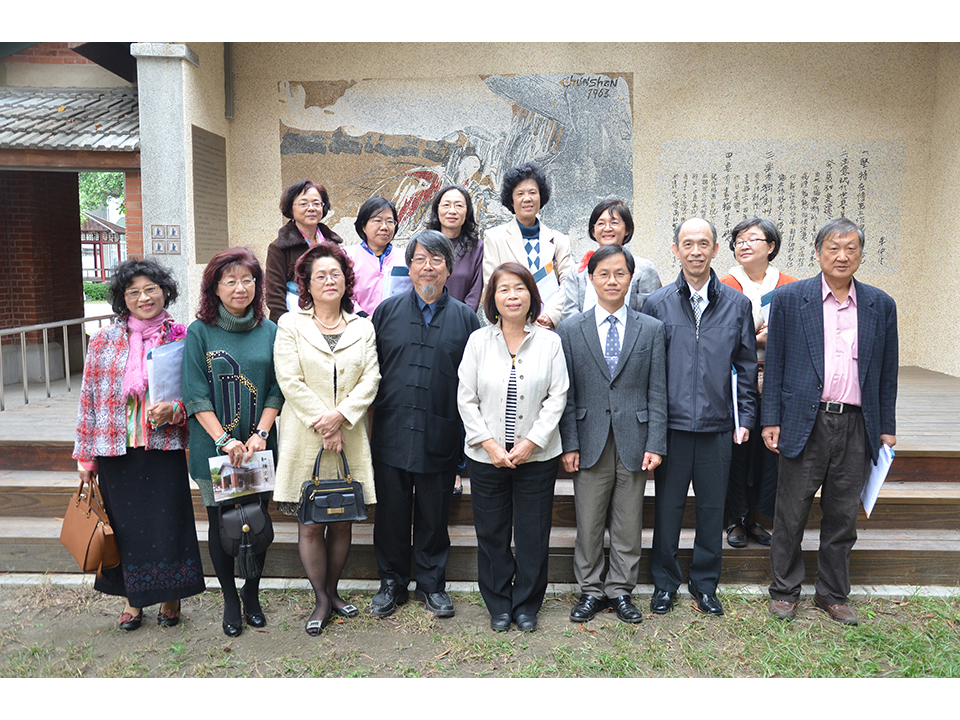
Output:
x,y
836,462
753,477
520,501
423,499
703,458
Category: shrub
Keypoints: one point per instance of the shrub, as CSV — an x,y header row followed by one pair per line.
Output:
x,y
97,291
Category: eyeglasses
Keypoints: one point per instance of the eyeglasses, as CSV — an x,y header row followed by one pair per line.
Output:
x,y
612,224
247,282
603,276
149,290
322,277
455,205
434,261
749,241
389,222
313,205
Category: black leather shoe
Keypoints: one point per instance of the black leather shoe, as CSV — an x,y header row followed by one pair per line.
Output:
x,y
526,623
439,603
759,535
130,622
586,608
500,623
707,604
662,601
231,630
740,540
388,599
626,611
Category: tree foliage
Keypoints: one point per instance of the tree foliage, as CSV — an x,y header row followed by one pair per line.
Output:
x,y
98,187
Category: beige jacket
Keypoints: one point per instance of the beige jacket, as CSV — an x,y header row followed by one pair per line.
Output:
x,y
504,243
542,382
305,368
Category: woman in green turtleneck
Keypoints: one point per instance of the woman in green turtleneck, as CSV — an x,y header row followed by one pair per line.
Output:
x,y
231,394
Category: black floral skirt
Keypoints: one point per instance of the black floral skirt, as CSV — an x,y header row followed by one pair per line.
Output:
x,y
147,497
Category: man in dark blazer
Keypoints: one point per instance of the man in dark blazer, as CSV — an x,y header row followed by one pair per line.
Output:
x,y
829,402
415,439
613,430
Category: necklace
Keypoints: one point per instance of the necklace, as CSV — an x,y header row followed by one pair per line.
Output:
x,y
329,327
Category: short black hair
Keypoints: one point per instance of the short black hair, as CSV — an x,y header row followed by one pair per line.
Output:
x,y
516,175
435,243
606,251
769,230
124,274
298,189
370,208
840,226
526,277
614,206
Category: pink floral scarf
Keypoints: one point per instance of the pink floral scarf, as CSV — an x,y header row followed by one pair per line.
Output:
x,y
144,335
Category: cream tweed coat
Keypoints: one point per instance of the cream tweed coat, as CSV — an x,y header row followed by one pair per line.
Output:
x,y
305,368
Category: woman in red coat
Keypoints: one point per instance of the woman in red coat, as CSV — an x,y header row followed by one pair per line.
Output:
x,y
753,468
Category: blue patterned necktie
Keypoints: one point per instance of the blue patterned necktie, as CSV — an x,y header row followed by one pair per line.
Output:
x,y
697,311
612,352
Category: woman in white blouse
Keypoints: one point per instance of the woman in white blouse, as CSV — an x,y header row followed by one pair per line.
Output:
x,y
513,389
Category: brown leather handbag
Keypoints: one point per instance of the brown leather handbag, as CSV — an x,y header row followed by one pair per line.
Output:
x,y
86,531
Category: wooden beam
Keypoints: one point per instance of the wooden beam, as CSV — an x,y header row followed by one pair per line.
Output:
x,y
68,160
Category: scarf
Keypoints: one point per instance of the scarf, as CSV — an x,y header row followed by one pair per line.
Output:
x,y
754,291
143,335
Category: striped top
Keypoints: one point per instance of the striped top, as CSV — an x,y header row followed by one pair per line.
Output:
x,y
511,418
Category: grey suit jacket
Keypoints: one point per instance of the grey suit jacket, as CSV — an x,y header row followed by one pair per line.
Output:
x,y
633,402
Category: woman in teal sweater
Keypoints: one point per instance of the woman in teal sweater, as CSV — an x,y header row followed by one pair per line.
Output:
x,y
232,396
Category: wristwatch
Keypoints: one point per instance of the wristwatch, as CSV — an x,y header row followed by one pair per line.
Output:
x,y
263,433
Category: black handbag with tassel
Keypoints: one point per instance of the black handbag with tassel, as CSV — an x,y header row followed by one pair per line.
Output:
x,y
328,501
245,532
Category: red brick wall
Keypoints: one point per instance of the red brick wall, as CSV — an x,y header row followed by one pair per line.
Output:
x,y
49,53
41,279
134,216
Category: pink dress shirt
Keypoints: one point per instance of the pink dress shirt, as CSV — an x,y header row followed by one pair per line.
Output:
x,y
368,288
840,348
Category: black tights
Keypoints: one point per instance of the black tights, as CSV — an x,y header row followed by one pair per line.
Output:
x,y
224,566
323,555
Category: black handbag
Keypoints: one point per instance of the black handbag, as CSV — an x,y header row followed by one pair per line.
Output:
x,y
245,532
328,501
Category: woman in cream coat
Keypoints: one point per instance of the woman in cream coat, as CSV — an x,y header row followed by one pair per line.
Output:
x,y
321,342
525,191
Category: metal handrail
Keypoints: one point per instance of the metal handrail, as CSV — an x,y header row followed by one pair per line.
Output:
x,y
22,332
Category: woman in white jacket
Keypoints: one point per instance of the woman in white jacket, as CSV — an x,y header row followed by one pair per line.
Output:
x,y
512,392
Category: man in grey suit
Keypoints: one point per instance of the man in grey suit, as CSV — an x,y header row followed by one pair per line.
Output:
x,y
613,430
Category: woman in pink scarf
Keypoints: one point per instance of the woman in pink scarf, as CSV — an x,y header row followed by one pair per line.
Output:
x,y
134,448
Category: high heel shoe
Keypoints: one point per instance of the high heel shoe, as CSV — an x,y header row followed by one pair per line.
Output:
x,y
231,630
168,619
130,622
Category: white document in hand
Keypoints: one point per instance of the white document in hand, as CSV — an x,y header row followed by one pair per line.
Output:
x,y
164,364
871,489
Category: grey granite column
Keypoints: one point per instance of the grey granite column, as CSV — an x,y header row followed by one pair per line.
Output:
x,y
163,159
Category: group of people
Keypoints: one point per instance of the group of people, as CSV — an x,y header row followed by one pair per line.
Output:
x,y
595,368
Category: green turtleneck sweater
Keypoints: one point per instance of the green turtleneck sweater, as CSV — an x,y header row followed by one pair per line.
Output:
x,y
228,368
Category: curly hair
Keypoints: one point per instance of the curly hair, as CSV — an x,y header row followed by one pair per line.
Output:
x,y
612,206
124,274
469,237
490,296
236,257
298,189
303,271
516,175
